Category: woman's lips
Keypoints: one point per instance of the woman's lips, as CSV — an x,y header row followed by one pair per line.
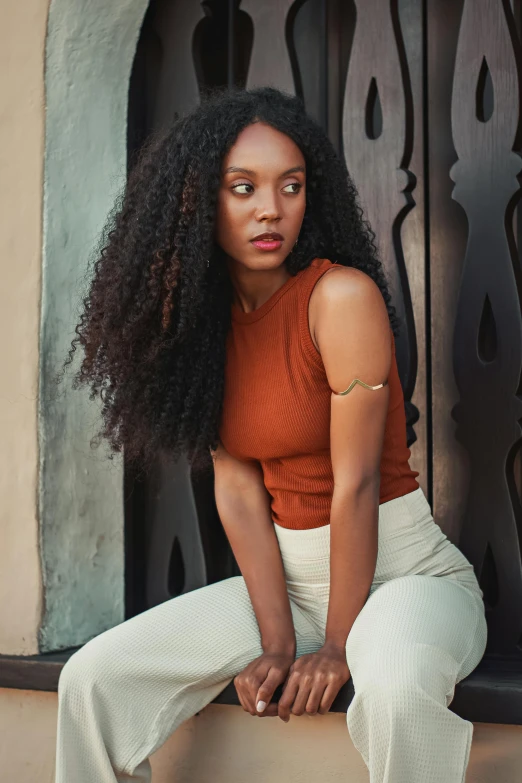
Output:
x,y
267,244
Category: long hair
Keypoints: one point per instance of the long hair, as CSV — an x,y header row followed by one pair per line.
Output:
x,y
154,323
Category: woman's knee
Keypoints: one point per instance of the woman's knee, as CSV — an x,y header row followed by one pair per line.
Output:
x,y
403,674
89,666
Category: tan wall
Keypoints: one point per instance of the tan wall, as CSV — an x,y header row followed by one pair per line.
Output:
x,y
22,37
223,744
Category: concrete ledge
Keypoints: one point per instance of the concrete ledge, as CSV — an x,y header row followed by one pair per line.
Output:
x,y
223,744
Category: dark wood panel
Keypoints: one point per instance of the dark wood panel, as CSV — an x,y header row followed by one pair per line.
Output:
x,y
446,240
270,61
377,145
384,93
174,541
413,239
488,326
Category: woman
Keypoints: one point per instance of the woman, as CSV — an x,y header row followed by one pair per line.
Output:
x,y
238,305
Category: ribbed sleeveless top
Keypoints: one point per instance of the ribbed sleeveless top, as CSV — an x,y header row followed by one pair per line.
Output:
x,y
276,407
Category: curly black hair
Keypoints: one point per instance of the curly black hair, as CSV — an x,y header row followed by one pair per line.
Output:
x,y
156,316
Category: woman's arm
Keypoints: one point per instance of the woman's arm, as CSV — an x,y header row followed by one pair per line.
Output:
x,y
244,508
352,331
243,504
354,337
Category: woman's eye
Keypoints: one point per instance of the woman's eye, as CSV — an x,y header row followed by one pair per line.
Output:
x,y
247,185
241,185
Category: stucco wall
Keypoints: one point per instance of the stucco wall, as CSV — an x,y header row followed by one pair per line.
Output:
x,y
89,55
22,37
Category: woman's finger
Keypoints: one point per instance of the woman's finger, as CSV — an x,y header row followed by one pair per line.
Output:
x,y
302,695
287,699
241,701
315,697
266,690
327,699
244,693
240,696
270,711
249,706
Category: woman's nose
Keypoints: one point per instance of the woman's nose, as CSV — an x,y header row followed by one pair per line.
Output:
x,y
268,208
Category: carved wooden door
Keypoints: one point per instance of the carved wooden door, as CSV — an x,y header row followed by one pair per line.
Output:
x,y
423,100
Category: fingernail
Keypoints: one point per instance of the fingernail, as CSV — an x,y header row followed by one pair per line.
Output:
x,y
261,705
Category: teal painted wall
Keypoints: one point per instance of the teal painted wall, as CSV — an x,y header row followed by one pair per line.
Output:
x,y
89,54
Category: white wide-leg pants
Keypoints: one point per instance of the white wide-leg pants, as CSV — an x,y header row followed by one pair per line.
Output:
x,y
421,630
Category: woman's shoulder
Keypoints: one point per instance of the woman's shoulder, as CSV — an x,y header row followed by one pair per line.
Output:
x,y
344,284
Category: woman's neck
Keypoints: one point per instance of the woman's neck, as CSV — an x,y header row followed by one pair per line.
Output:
x,y
253,287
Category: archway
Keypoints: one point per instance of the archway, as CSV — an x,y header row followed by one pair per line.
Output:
x,y
89,54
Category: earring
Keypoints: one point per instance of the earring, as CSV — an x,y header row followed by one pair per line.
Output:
x,y
208,262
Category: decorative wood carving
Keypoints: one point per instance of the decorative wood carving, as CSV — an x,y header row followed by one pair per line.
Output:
x,y
488,327
377,140
177,90
446,245
270,60
171,529
175,552
413,245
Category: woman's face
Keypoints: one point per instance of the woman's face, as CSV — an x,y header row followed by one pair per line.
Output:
x,y
262,190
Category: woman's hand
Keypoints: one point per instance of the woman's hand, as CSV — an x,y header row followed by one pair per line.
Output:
x,y
258,681
314,681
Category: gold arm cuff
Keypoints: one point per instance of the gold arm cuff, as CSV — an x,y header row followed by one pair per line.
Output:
x,y
356,381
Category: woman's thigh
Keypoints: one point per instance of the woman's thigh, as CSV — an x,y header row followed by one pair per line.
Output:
x,y
415,619
201,638
136,682
412,542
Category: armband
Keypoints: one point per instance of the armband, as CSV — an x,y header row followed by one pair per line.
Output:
x,y
356,381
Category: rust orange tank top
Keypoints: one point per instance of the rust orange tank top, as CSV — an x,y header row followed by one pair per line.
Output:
x,y
276,407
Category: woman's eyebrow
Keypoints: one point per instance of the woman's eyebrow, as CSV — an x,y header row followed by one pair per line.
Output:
x,y
237,169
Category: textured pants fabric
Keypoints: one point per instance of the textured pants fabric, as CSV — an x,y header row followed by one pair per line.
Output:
x,y
421,630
